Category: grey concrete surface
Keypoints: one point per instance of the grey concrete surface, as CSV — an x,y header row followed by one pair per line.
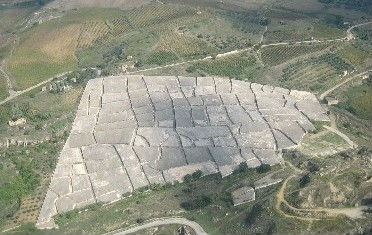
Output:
x,y
134,131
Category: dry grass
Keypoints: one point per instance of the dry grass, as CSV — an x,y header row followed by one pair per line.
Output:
x,y
50,49
183,45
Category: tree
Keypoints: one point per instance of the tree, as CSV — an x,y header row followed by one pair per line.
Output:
x,y
263,168
304,180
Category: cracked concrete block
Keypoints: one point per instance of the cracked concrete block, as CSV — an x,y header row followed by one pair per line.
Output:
x,y
114,136
211,100
282,140
313,110
159,136
61,186
153,175
137,177
187,81
115,107
267,156
127,155
238,115
262,139
197,155
238,86
223,85
115,125
98,152
226,155
250,158
115,97
180,103
166,114
199,115
170,158
48,210
291,130
183,117
110,117
70,156
114,84
246,98
64,204
131,131
188,91
115,180
303,95
195,101
79,139
204,90
136,83
204,81
147,154
79,169
225,141
80,182
229,99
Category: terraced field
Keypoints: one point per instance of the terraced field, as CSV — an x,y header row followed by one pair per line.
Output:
x,y
275,55
315,74
50,48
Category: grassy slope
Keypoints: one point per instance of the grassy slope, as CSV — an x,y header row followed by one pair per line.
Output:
x,y
3,89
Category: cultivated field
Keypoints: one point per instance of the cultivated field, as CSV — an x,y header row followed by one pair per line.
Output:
x,y
280,54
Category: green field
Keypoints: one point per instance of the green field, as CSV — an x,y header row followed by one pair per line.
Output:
x,y
275,55
359,101
241,66
3,88
315,74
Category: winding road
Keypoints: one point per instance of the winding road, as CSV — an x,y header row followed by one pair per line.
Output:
x,y
164,221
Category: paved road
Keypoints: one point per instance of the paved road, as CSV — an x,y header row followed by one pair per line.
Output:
x,y
330,90
166,221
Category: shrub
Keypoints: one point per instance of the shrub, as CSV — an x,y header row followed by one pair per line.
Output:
x,y
199,202
243,167
253,214
304,180
263,168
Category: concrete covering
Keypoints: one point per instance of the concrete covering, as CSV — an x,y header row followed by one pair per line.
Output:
x,y
134,131
243,195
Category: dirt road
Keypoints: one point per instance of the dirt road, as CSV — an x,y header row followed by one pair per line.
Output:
x,y
166,221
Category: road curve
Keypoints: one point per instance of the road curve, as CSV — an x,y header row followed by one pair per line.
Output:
x,y
165,221
330,90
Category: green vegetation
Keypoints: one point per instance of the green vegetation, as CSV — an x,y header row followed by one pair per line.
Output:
x,y
161,58
315,74
231,66
3,87
275,55
322,31
359,101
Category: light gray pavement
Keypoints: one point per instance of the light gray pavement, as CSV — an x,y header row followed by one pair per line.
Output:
x,y
164,221
134,131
